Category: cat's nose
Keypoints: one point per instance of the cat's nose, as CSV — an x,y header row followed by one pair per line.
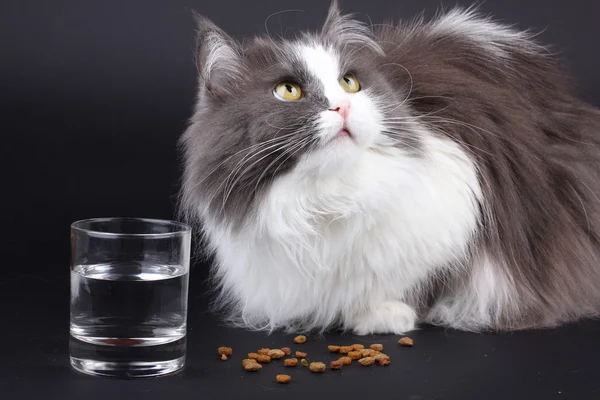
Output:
x,y
342,107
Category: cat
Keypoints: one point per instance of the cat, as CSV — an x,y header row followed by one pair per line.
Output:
x,y
373,179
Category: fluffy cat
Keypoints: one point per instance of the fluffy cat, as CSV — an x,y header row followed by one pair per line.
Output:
x,y
438,172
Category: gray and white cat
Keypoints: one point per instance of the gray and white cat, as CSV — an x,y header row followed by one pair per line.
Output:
x,y
436,171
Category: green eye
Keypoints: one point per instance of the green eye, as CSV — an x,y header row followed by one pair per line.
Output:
x,y
349,83
288,91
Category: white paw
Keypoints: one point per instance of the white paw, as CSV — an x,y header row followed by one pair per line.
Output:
x,y
387,317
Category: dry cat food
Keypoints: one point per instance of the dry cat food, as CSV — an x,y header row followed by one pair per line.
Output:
x,y
223,357
281,378
276,354
251,365
318,366
406,341
333,349
357,347
355,355
376,347
225,351
337,364
304,362
253,356
263,359
345,360
286,350
290,362
264,351
345,349
300,339
300,354
367,361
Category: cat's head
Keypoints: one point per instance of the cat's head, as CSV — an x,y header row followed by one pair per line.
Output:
x,y
314,104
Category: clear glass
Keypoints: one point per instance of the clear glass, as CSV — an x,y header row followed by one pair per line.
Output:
x,y
129,294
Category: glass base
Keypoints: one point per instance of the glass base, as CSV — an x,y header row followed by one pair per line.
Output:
x,y
137,369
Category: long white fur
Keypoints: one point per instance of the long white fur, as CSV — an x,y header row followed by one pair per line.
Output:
x,y
354,229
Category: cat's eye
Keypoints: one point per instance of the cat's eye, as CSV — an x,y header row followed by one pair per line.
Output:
x,y
349,83
288,91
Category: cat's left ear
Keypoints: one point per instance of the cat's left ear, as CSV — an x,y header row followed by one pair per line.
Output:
x,y
341,29
219,58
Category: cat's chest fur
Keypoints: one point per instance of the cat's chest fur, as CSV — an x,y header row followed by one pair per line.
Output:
x,y
386,220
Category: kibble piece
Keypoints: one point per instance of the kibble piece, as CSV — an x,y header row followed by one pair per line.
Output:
x,y
304,362
357,347
406,341
286,350
376,347
225,350
290,362
281,378
263,359
264,351
345,360
300,354
253,356
251,365
300,339
337,364
333,349
345,349
384,362
276,354
367,361
365,352
355,355
223,357
381,356
317,366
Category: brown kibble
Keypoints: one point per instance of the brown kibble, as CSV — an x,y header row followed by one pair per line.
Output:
x,y
381,356
337,364
281,378
376,347
365,352
304,362
276,354
355,355
345,360
223,357
333,349
264,351
317,366
384,362
253,356
251,365
263,359
290,362
406,341
300,339
300,354
367,361
357,347
286,350
225,350
345,349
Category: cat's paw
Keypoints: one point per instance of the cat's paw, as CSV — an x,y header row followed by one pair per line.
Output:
x,y
387,317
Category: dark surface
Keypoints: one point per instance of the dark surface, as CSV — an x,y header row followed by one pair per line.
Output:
x,y
93,97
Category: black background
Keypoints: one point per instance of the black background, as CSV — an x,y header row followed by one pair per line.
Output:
x,y
93,97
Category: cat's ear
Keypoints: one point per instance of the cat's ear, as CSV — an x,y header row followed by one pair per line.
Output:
x,y
219,58
341,29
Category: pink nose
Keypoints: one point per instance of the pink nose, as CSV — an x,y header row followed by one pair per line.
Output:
x,y
342,107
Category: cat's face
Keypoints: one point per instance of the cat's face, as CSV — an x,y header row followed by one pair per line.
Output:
x,y
314,104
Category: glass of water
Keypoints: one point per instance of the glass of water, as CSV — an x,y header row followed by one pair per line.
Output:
x,y
129,294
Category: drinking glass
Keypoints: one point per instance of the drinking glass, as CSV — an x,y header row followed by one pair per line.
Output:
x,y
129,294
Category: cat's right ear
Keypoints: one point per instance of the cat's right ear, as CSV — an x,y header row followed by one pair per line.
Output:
x,y
219,58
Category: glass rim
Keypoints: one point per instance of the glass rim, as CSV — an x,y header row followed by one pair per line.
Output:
x,y
182,228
